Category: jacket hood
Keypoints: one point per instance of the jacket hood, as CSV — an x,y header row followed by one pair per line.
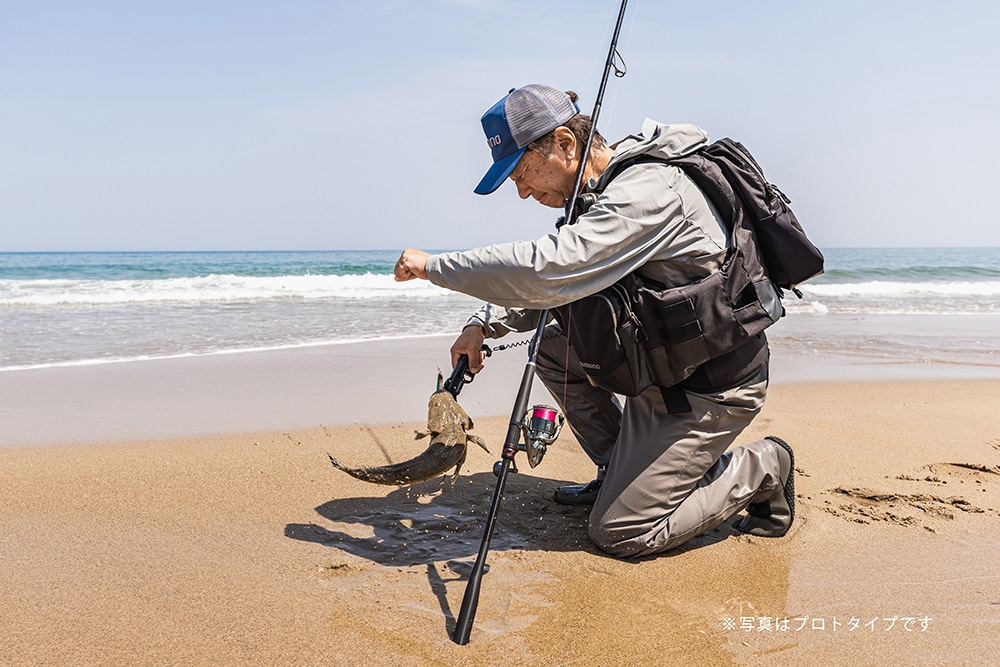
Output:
x,y
662,141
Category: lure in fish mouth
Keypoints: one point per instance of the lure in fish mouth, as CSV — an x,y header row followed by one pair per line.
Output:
x,y
448,426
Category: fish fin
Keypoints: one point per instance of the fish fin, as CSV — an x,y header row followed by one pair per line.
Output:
x,y
335,462
479,441
458,467
421,434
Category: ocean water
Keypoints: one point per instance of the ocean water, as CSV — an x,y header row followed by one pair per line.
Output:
x,y
905,281
86,308
78,308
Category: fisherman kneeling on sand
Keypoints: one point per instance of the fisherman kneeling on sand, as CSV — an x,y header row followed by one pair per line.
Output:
x,y
665,474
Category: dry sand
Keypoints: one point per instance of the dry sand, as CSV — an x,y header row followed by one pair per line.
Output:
x,y
253,550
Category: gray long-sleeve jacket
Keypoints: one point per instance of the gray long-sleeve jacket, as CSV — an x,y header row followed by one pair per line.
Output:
x,y
650,218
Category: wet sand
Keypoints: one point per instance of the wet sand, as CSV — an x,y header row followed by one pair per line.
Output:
x,y
250,548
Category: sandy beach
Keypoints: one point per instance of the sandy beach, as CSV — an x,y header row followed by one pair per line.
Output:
x,y
185,512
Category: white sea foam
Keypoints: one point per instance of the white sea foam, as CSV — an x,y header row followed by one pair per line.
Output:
x,y
211,289
210,353
898,298
893,288
805,307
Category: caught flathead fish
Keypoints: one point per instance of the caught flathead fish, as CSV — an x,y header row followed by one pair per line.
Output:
x,y
448,425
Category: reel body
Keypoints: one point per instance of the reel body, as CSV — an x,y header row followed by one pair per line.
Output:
x,y
541,427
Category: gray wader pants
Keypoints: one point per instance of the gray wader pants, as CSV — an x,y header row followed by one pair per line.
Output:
x,y
669,476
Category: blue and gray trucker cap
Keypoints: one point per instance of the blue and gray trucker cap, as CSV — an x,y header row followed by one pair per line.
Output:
x,y
524,115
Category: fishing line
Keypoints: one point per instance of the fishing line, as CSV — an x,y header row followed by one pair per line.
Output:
x,y
596,64
569,324
623,69
521,222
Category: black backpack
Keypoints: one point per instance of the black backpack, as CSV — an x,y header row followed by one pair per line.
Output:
x,y
789,257
637,333
730,177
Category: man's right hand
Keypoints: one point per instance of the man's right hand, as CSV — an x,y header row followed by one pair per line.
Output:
x,y
470,342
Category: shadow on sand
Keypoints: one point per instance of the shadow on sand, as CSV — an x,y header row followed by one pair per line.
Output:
x,y
437,520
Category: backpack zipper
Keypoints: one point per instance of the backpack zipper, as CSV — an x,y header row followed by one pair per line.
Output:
x,y
760,173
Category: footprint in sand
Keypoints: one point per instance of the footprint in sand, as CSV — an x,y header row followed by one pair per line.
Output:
x,y
975,487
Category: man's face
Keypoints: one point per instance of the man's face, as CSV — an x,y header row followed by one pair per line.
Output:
x,y
547,179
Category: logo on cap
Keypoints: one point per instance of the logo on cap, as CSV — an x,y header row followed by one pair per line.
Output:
x,y
523,115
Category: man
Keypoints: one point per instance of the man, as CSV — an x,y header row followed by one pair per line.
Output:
x,y
664,475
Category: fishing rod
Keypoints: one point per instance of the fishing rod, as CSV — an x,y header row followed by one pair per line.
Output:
x,y
470,601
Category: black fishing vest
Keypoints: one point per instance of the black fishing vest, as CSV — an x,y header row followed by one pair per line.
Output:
x,y
704,336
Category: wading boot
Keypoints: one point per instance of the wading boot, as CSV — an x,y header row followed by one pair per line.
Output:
x,y
581,494
773,517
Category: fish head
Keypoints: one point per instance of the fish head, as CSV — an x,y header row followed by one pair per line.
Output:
x,y
444,413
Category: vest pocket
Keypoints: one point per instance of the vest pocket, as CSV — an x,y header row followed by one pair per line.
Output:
x,y
608,340
675,339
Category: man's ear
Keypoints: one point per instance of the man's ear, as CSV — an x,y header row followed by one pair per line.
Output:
x,y
565,142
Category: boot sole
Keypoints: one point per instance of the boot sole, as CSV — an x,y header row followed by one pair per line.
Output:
x,y
789,486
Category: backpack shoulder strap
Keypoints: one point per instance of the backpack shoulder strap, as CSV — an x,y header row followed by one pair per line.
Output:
x,y
705,173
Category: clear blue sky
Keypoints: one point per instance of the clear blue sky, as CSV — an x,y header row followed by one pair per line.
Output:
x,y
338,125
